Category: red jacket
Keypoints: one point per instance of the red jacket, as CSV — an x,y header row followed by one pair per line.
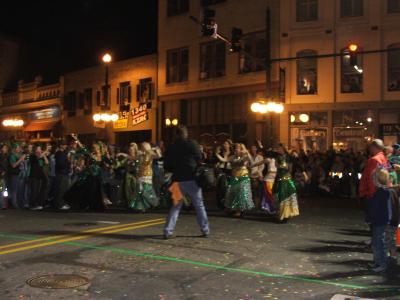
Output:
x,y
367,186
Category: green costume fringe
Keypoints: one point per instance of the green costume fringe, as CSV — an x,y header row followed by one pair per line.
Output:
x,y
238,196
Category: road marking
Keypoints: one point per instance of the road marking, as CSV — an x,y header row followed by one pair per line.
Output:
x,y
215,266
231,269
108,222
80,237
79,233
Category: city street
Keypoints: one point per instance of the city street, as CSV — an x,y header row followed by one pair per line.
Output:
x,y
315,256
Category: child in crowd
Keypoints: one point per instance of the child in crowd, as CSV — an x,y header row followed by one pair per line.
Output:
x,y
378,216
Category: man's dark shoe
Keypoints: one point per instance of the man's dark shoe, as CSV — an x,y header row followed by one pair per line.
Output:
x,y
168,236
205,235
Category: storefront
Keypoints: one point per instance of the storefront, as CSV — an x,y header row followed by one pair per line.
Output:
x,y
342,128
40,125
44,124
308,130
211,119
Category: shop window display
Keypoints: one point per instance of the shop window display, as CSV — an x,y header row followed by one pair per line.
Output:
x,y
308,130
352,129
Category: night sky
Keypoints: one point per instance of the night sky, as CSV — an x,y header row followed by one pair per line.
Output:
x,y
60,36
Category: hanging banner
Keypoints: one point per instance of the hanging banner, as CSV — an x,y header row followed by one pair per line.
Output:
x,y
139,114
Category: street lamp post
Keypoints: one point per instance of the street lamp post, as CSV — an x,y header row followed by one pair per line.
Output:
x,y
267,105
105,117
107,60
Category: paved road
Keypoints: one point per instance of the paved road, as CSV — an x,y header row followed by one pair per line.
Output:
x,y
316,256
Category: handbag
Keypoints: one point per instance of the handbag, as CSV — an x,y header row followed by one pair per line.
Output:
x,y
205,177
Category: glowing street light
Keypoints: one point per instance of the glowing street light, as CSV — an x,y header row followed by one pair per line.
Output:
x,y
13,123
255,107
96,117
107,58
263,108
105,117
304,118
173,122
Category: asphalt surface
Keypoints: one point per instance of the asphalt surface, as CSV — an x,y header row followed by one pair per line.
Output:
x,y
124,255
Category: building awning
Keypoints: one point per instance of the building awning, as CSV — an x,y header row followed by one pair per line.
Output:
x,y
41,126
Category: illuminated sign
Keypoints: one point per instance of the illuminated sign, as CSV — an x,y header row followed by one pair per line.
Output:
x,y
120,124
48,113
139,114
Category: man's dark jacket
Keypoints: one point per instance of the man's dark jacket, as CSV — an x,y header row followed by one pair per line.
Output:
x,y
182,159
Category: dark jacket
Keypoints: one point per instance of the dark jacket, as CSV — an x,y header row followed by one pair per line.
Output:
x,y
379,208
36,167
3,163
395,205
182,159
62,163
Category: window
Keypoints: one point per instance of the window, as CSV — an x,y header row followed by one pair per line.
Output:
x,y
306,10
307,73
394,68
177,7
87,101
70,104
212,60
124,96
351,8
144,90
177,65
210,2
255,45
393,6
351,76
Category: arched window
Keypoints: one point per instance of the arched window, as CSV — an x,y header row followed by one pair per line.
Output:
x,y
351,75
393,68
307,73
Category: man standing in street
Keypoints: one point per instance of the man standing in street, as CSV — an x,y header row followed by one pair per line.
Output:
x,y
61,183
182,159
377,159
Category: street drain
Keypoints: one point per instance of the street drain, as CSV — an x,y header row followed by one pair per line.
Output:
x,y
58,281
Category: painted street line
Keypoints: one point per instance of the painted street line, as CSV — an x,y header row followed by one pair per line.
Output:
x,y
79,234
216,266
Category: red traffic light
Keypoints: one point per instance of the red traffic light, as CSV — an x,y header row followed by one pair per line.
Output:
x,y
353,47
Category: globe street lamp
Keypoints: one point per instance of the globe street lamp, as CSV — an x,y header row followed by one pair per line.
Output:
x,y
105,117
263,107
13,123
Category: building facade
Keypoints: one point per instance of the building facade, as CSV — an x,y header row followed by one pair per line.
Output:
x,y
9,59
35,109
131,93
202,84
328,101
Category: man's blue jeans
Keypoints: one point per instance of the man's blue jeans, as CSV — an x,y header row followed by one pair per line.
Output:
x,y
378,245
192,190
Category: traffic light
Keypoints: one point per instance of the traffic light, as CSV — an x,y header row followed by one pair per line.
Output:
x,y
209,26
236,40
353,54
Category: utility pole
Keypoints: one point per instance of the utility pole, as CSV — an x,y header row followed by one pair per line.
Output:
x,y
268,92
